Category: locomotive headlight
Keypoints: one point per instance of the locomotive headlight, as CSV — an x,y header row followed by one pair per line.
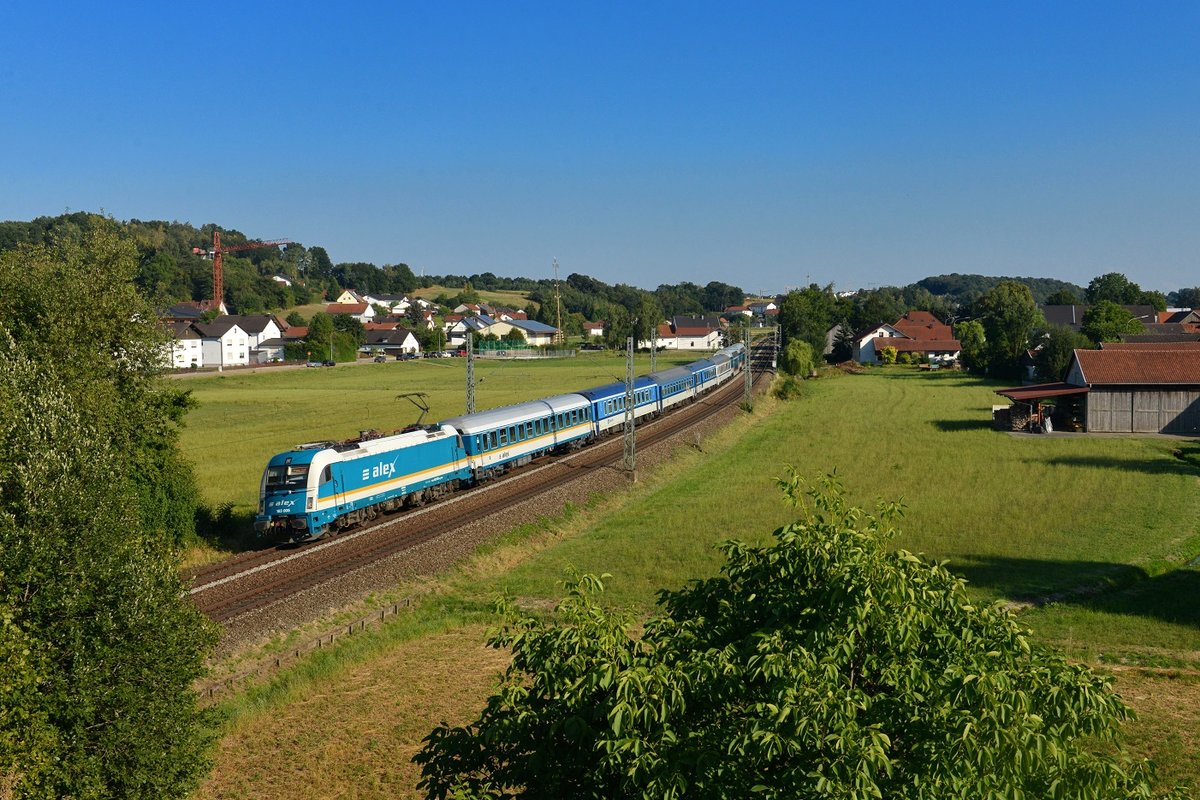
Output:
x,y
310,504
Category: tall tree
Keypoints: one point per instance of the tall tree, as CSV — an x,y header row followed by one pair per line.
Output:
x,y
808,314
1108,322
973,339
1114,287
1063,297
1009,316
1186,298
97,701
1058,345
826,664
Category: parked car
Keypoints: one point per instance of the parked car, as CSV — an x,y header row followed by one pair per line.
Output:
x,y
313,364
379,359
406,356
329,363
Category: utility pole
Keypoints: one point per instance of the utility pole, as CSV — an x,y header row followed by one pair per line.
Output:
x,y
470,373
748,398
558,336
654,349
630,436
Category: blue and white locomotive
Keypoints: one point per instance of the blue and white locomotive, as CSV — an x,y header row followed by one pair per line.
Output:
x,y
327,486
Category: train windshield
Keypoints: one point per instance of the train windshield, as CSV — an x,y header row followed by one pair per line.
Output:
x,y
293,476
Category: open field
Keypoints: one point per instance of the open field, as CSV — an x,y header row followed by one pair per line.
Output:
x,y
1105,526
514,300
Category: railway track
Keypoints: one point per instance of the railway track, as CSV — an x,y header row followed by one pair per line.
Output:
x,y
256,580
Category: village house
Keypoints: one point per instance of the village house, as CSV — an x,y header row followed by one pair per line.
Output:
x,y
917,332
186,349
224,343
687,333
363,312
392,341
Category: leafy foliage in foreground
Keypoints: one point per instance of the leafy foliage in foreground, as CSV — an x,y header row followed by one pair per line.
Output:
x,y
98,646
824,665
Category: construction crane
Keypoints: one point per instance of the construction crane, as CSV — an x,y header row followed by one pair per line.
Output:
x,y
215,254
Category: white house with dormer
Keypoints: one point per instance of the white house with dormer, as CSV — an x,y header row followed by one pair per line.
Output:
x,y
224,343
186,349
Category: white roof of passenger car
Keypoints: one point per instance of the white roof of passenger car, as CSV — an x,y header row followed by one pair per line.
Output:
x,y
513,415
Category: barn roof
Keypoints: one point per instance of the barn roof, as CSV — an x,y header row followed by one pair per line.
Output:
x,y
1124,367
1040,390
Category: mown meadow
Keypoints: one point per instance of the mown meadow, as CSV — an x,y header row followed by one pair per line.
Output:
x,y
1092,539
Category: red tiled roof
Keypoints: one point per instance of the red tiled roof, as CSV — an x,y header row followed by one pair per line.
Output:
x,y
295,332
1118,366
381,326
346,308
1144,345
701,332
918,345
923,325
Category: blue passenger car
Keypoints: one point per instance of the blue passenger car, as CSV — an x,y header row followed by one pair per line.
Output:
x,y
705,372
501,438
317,487
676,385
608,403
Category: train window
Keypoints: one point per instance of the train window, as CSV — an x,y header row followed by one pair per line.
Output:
x,y
528,430
512,434
292,476
493,436
327,473
503,436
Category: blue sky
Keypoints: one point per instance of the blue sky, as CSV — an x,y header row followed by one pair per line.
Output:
x,y
763,144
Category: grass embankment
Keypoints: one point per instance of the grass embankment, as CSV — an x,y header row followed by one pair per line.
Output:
x,y
1023,517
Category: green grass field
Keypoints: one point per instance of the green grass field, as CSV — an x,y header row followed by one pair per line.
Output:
x,y
514,300
1104,527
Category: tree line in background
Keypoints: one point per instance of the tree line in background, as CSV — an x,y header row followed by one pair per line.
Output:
x,y
997,320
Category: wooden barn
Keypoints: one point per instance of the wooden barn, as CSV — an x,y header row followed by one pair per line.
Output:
x,y
1139,390
1119,389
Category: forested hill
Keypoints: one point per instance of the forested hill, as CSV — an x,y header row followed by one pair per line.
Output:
x,y
965,289
173,267
170,269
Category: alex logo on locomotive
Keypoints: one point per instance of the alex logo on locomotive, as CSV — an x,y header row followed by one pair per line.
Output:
x,y
379,471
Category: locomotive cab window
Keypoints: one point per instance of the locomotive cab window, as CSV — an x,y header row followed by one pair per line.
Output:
x,y
327,473
292,476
